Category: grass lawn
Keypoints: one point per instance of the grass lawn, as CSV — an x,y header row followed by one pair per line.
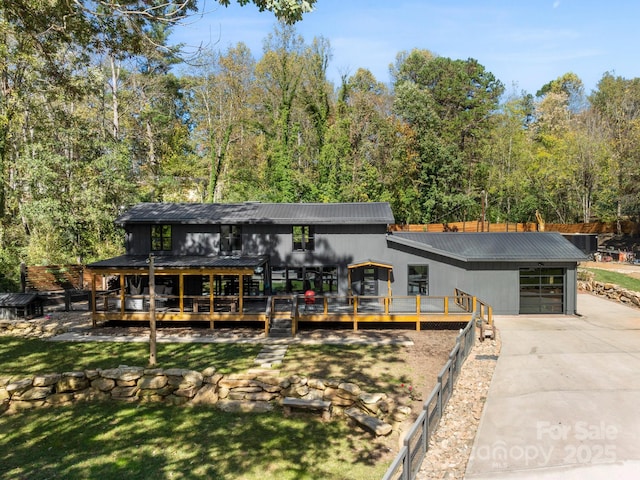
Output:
x,y
124,440
620,279
139,441
25,357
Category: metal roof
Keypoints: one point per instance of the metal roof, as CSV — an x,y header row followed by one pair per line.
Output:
x,y
493,246
256,212
170,261
18,299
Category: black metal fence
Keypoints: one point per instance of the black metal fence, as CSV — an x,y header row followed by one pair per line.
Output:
x,y
416,443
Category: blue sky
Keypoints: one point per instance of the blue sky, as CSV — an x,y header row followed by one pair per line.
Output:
x,y
524,43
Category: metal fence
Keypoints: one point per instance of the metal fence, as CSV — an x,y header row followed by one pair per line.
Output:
x,y
416,443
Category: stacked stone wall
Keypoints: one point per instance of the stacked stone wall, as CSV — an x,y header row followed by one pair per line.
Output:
x,y
610,291
258,391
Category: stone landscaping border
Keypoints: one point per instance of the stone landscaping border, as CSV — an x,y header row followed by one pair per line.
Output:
x,y
610,291
258,390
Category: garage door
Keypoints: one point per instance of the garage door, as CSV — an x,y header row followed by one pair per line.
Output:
x,y
542,290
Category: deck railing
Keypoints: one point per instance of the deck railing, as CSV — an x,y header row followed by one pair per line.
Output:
x,y
353,309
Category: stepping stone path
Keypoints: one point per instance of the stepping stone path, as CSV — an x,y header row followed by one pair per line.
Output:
x,y
271,355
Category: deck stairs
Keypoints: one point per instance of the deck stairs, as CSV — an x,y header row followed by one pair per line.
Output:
x,y
280,328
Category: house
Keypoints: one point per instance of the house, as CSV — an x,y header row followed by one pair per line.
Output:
x,y
252,261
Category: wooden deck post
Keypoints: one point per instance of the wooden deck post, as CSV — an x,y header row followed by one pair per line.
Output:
x,y
355,313
152,311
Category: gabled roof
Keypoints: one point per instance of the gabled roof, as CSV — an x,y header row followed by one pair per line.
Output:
x,y
493,246
370,263
259,213
18,299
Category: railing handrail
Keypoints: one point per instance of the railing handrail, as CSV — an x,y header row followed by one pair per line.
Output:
x,y
403,461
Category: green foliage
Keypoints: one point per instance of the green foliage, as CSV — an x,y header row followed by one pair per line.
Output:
x,y
93,120
620,279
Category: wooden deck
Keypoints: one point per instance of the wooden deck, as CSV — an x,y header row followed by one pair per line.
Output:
x,y
356,310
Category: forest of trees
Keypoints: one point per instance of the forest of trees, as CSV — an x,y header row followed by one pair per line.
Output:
x,y
98,112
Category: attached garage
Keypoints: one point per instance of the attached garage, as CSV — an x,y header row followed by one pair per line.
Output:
x,y
542,290
515,273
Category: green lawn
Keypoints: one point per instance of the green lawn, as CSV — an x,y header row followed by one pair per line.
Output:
x,y
27,356
123,440
620,279
139,441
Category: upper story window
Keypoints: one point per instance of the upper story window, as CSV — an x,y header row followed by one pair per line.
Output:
x,y
230,239
160,238
303,238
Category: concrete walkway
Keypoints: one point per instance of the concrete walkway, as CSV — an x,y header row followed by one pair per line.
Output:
x,y
564,401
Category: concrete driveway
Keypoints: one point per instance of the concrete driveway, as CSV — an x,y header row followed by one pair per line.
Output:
x,y
564,401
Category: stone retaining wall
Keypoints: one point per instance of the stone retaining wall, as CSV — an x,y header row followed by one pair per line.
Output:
x,y
258,391
610,291
38,327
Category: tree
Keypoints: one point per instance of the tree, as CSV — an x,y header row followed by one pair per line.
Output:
x,y
287,11
449,103
292,109
219,96
617,101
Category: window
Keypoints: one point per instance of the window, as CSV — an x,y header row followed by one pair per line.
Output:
x,y
323,280
160,238
230,239
418,280
303,238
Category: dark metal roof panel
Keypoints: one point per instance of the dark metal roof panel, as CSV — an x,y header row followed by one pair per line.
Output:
x,y
494,246
168,261
17,299
264,213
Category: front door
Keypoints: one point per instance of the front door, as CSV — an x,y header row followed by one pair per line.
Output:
x,y
370,281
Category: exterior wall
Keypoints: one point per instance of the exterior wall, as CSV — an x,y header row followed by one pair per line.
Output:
x,y
497,284
335,245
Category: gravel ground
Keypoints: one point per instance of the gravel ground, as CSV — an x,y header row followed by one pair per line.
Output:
x,y
450,447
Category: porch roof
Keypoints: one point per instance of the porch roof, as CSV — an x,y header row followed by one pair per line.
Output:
x,y
370,263
493,246
180,262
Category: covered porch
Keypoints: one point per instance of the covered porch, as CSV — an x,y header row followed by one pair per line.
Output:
x,y
185,289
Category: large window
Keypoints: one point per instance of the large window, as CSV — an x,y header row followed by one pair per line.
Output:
x,y
230,240
323,280
418,280
160,238
303,238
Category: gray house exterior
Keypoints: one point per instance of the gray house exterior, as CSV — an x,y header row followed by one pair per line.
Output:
x,y
336,249
525,272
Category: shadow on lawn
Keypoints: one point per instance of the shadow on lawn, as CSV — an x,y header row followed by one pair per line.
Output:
x,y
115,440
27,356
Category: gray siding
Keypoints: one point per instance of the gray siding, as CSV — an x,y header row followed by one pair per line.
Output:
x,y
497,284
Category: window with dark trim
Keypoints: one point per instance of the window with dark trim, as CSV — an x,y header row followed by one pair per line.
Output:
x,y
303,238
418,280
230,239
161,238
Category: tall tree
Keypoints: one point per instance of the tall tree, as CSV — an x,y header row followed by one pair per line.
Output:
x,y
449,104
617,101
220,92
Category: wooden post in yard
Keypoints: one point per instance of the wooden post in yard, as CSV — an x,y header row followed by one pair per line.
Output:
x,y
152,311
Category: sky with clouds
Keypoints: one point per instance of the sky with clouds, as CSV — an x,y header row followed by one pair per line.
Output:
x,y
524,43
